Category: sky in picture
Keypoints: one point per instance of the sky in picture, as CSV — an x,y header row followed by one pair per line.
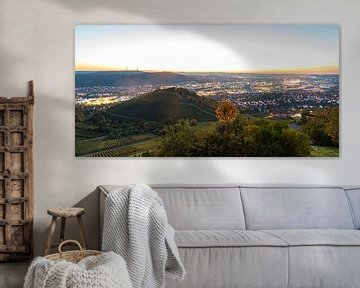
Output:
x,y
208,48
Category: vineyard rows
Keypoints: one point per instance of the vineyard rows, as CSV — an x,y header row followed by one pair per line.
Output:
x,y
108,148
118,152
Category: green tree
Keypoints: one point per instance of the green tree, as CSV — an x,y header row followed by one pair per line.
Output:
x,y
323,127
257,138
332,126
240,138
180,140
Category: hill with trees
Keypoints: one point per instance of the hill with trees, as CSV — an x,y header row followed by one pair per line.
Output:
x,y
167,105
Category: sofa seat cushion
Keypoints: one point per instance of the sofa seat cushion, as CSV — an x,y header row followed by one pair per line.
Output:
x,y
225,238
323,258
235,267
317,237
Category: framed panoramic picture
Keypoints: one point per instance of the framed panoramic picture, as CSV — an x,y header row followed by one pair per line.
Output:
x,y
207,90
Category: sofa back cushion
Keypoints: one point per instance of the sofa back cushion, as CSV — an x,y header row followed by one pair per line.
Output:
x,y
354,198
202,207
296,208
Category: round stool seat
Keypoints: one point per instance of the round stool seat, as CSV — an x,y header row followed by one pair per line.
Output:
x,y
66,211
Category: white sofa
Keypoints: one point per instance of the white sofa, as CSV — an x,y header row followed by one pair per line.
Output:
x,y
263,236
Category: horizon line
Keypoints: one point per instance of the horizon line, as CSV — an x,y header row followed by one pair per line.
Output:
x,y
330,69
223,72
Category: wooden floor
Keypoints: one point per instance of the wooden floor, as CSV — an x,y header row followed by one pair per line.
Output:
x,y
12,274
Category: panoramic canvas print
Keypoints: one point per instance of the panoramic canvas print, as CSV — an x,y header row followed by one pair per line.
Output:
x,y
207,90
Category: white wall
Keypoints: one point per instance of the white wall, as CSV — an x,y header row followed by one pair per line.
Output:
x,y
37,42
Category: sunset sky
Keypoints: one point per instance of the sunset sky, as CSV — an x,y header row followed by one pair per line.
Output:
x,y
208,48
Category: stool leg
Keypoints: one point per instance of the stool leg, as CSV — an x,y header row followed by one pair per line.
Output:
x,y
62,230
51,235
82,232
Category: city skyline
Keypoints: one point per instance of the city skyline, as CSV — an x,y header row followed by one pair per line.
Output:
x,y
296,70
312,49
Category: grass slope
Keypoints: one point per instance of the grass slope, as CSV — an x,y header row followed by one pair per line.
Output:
x,y
161,105
320,151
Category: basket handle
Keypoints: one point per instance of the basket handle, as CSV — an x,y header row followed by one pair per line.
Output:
x,y
69,241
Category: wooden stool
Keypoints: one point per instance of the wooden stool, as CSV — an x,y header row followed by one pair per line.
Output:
x,y
64,213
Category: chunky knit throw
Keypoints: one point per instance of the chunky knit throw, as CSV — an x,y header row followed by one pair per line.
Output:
x,y
102,271
136,227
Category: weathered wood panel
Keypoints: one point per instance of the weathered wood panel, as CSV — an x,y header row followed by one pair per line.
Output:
x,y
16,177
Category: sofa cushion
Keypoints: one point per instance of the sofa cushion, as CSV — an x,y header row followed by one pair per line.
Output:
x,y
223,267
322,258
324,266
226,238
191,207
354,198
206,208
296,208
317,237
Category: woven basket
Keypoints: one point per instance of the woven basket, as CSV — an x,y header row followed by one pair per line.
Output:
x,y
72,256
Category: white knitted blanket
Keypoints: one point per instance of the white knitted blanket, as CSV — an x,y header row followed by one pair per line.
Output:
x,y
136,227
103,271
